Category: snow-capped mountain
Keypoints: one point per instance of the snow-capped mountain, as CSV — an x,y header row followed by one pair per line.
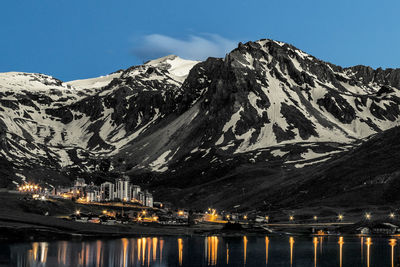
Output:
x,y
170,117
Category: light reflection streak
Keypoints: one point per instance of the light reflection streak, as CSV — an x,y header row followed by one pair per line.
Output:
x,y
87,250
139,246
98,253
245,249
392,243
180,250
227,254
368,243
341,242
148,250
155,248
125,251
161,249
212,250
43,251
291,242
321,241
80,256
35,247
62,253
266,249
215,249
208,242
315,241
143,250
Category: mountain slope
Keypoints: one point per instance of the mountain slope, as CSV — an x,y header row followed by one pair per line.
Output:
x,y
266,109
267,94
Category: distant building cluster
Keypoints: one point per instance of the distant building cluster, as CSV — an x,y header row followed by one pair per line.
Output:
x,y
121,190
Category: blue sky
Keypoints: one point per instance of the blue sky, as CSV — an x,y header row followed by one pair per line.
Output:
x,y
72,39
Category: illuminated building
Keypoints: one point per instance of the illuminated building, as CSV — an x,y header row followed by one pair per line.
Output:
x,y
135,189
107,191
123,189
148,199
141,197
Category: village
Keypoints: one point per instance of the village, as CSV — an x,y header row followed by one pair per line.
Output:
x,y
121,202
125,203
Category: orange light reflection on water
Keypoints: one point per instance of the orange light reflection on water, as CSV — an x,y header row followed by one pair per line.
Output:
x,y
212,250
155,240
315,242
180,250
368,243
266,249
392,244
161,249
341,242
139,246
227,254
291,242
124,251
245,249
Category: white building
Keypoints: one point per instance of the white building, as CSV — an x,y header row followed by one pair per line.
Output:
x,y
135,189
148,199
141,197
107,191
123,189
92,196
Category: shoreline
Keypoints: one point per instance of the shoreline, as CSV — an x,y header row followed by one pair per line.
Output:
x,y
45,228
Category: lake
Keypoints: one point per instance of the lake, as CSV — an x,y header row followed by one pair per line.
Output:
x,y
206,251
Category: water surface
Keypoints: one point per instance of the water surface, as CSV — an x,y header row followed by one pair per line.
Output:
x,y
206,251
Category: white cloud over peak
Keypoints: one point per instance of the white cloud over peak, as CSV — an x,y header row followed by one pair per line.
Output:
x,y
193,47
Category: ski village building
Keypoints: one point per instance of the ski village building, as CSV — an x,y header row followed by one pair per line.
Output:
x,y
121,190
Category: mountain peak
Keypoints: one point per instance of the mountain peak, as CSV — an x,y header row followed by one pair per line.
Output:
x,y
175,65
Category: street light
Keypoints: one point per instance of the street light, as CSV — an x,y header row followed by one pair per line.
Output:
x,y
340,217
391,215
315,218
291,218
368,216
77,212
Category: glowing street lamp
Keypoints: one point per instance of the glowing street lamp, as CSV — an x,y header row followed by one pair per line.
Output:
x,y
291,218
315,218
245,217
267,218
77,212
340,217
391,215
368,216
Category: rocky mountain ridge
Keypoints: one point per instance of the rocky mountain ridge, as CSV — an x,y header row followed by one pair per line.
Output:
x,y
190,122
